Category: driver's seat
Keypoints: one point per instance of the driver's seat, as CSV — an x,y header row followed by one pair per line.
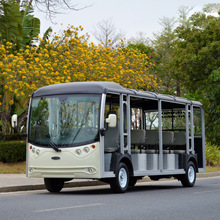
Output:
x,y
112,139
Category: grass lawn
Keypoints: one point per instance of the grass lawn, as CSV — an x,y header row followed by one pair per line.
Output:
x,y
20,167
212,169
11,168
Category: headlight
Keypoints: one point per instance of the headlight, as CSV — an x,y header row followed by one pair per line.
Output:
x,y
38,152
86,149
78,151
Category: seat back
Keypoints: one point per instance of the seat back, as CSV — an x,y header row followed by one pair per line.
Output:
x,y
179,143
152,137
168,137
112,139
137,137
179,139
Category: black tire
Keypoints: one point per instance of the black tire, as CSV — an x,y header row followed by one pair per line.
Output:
x,y
132,181
121,181
53,184
189,179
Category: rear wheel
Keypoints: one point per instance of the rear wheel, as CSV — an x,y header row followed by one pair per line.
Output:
x,y
189,179
54,184
120,183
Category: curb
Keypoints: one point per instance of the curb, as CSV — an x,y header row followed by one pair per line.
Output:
x,y
206,175
42,186
86,183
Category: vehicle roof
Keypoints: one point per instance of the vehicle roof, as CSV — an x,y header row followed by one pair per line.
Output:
x,y
104,87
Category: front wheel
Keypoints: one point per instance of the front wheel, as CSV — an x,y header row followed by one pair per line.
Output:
x,y
53,184
189,179
120,183
132,181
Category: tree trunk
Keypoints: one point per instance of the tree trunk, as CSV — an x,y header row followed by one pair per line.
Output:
x,y
6,110
178,88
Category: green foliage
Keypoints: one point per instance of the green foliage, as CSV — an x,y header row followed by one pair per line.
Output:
x,y
45,38
211,99
212,155
18,30
152,56
197,51
188,64
12,151
18,24
4,126
30,24
10,23
196,57
145,49
142,48
164,45
20,111
11,137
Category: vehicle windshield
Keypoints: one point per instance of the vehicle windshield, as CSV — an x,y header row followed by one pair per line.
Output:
x,y
64,120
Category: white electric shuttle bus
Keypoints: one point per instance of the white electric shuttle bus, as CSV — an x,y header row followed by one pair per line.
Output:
x,y
100,130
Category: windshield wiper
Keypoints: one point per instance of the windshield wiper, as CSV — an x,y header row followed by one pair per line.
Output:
x,y
53,145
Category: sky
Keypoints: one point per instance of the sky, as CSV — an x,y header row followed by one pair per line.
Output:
x,y
129,16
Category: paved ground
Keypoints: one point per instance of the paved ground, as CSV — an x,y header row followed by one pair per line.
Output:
x,y
19,182
161,200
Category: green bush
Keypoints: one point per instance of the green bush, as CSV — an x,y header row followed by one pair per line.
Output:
x,y
12,151
212,155
11,137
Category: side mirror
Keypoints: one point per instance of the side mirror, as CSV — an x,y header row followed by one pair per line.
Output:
x,y
111,120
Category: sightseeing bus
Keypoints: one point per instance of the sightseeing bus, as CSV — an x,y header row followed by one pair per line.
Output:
x,y
103,131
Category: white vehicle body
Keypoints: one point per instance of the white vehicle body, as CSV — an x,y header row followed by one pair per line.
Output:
x,y
100,130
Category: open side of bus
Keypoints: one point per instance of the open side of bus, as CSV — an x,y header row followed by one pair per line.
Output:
x,y
104,131
155,137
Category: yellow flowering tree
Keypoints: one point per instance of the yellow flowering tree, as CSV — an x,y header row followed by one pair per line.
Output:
x,y
68,57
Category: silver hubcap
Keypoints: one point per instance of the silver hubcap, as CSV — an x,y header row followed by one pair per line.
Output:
x,y
123,178
191,174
